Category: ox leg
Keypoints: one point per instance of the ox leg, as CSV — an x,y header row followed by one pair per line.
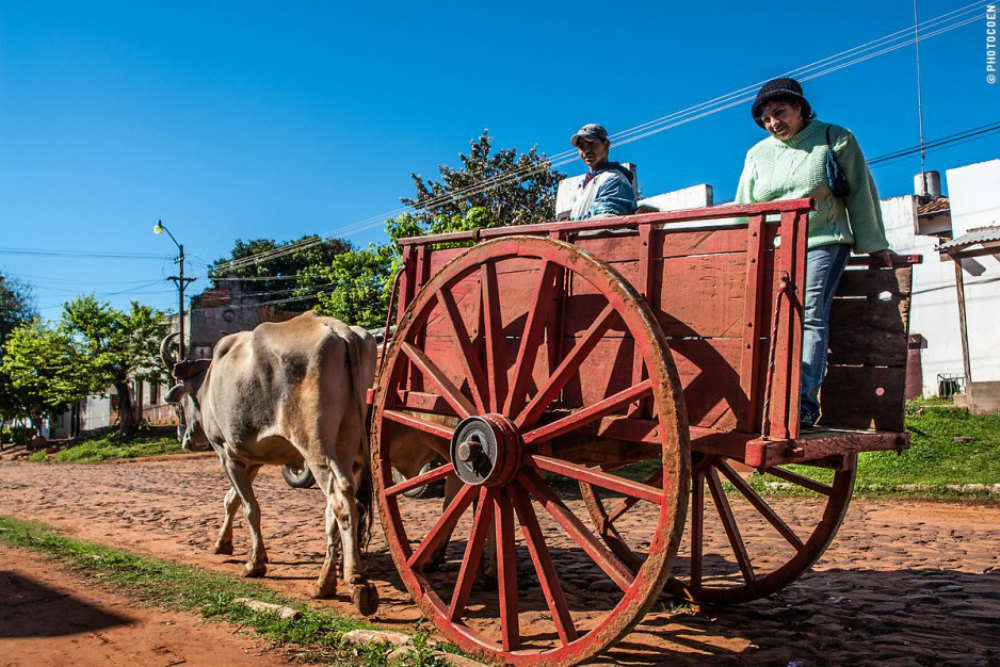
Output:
x,y
452,485
342,515
240,477
224,544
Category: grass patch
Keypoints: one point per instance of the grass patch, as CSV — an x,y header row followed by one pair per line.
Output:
x,y
934,465
935,462
191,589
106,447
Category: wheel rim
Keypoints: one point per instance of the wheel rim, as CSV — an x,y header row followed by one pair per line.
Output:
x,y
753,547
496,422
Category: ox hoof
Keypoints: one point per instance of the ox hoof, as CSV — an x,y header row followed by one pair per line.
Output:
x,y
251,571
365,598
224,548
321,592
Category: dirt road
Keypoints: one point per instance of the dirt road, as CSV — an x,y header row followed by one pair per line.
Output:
x,y
905,583
48,617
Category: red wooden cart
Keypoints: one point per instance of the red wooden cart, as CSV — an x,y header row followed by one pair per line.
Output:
x,y
586,382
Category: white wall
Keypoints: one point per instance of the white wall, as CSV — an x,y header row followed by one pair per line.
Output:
x,y
900,217
975,202
696,196
974,193
95,412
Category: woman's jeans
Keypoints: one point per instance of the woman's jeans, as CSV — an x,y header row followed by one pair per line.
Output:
x,y
824,266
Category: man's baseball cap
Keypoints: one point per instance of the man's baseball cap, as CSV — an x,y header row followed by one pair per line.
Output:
x,y
589,131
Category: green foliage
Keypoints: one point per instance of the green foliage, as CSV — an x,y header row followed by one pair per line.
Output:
x,y
936,465
107,447
45,369
513,189
116,347
16,309
355,285
278,276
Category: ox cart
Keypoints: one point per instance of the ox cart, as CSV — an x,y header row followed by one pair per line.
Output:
x,y
611,397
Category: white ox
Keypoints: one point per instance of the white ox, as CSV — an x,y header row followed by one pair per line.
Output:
x,y
285,393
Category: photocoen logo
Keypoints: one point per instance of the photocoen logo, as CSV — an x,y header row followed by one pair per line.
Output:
x,y
991,43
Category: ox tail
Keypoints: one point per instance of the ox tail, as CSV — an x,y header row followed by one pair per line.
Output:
x,y
365,491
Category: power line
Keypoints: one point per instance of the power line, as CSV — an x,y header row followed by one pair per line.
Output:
x,y
975,132
886,44
81,254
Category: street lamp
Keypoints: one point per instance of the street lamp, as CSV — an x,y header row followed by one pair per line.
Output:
x,y
179,280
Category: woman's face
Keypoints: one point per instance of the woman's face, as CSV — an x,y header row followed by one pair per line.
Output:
x,y
782,119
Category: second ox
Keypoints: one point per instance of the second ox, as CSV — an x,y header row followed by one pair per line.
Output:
x,y
287,393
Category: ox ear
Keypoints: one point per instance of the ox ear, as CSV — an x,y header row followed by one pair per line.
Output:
x,y
176,393
184,370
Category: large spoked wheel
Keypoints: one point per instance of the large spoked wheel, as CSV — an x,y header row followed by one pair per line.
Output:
x,y
739,546
487,367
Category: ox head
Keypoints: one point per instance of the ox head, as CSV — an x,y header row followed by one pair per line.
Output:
x,y
190,375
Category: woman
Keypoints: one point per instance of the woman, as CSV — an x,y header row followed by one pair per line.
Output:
x,y
791,163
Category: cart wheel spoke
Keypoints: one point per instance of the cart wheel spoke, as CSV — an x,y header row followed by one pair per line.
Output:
x,y
801,480
473,554
506,572
600,554
697,525
419,424
477,411
419,480
444,527
602,479
496,353
473,371
544,568
760,504
626,503
569,366
455,399
589,414
729,523
531,339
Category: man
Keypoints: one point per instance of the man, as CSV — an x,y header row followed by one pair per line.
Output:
x,y
607,188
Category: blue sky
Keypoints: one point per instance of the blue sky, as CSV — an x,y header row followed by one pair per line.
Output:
x,y
248,120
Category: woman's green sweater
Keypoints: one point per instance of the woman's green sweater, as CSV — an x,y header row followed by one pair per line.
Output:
x,y
776,169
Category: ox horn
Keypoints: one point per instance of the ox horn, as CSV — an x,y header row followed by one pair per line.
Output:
x,y
168,360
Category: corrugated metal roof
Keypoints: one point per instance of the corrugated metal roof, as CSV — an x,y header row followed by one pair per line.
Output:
x,y
934,206
981,235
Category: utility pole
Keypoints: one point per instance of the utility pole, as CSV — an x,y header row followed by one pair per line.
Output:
x,y
178,280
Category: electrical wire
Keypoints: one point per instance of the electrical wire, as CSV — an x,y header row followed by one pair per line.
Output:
x,y
81,254
946,22
957,137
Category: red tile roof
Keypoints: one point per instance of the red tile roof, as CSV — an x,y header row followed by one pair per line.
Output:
x,y
934,206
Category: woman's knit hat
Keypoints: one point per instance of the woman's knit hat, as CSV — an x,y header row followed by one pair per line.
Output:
x,y
783,89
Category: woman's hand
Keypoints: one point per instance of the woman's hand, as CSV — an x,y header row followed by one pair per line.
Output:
x,y
883,257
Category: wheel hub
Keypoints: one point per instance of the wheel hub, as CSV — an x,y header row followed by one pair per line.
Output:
x,y
486,450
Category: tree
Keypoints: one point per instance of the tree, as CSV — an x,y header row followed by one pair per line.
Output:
x,y
16,309
355,286
277,273
44,368
513,189
116,347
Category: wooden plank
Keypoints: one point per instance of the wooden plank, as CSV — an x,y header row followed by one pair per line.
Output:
x,y
861,281
863,397
754,326
864,332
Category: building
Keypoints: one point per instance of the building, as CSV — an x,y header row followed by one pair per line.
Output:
x,y
921,224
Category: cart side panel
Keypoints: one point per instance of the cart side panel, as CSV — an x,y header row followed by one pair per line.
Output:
x,y
699,294
866,376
